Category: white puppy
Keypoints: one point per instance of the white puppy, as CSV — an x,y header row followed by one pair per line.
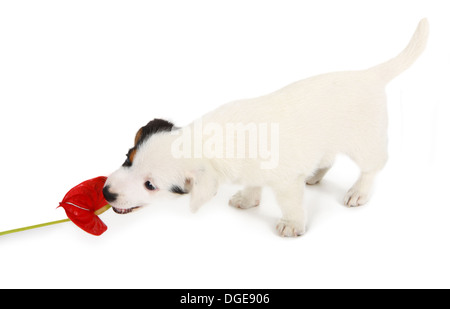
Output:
x,y
281,140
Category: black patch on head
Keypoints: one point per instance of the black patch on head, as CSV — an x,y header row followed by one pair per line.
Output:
x,y
177,190
154,126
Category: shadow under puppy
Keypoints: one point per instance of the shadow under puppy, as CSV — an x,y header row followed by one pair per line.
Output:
x,y
282,140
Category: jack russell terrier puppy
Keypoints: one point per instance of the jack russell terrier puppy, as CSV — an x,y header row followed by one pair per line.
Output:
x,y
282,140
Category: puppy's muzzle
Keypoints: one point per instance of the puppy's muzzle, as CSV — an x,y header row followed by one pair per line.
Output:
x,y
111,197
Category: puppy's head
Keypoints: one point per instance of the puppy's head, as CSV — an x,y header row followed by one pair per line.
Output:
x,y
150,171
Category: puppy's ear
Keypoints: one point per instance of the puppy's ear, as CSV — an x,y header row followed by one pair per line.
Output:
x,y
144,133
154,126
202,185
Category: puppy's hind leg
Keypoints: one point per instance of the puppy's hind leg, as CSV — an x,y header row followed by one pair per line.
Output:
x,y
324,165
360,192
246,198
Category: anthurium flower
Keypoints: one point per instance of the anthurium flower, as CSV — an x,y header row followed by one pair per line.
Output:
x,y
83,203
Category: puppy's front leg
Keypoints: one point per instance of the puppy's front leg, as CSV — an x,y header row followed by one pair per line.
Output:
x,y
290,200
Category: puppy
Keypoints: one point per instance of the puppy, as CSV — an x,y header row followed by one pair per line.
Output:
x,y
282,140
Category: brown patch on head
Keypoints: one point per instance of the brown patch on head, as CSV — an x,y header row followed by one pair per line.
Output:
x,y
144,133
138,136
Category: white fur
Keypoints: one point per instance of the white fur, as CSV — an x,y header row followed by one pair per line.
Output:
x,y
343,112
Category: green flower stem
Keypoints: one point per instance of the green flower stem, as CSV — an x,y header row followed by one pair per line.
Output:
x,y
98,212
33,227
102,210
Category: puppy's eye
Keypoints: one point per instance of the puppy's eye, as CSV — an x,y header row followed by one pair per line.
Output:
x,y
149,186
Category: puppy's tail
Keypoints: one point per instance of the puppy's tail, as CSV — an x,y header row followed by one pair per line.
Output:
x,y
391,68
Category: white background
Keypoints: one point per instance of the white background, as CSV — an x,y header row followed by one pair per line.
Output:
x,y
78,78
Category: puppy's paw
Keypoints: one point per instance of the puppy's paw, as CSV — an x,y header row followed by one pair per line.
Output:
x,y
313,181
290,229
239,200
317,177
355,198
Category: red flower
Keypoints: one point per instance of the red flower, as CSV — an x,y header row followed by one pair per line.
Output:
x,y
84,202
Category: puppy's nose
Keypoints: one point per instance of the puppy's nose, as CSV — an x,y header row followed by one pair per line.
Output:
x,y
108,195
